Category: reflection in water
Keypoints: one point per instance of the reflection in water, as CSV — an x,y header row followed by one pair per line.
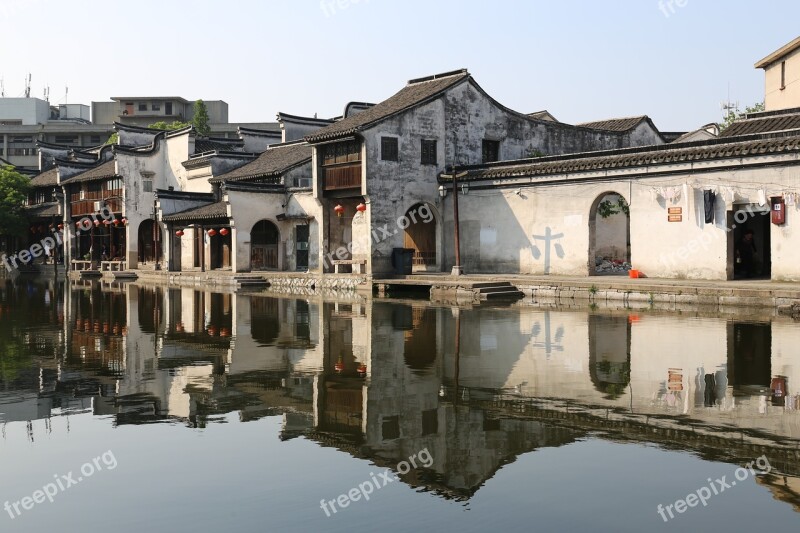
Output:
x,y
382,380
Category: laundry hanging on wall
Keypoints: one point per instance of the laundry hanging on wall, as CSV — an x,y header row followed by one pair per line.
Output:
x,y
709,199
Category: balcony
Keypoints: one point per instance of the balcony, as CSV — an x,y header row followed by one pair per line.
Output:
x,y
341,176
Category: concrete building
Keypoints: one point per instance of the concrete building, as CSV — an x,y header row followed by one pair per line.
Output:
x,y
26,121
782,77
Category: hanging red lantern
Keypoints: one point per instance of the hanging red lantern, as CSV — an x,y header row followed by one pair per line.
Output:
x,y
96,223
125,221
78,224
224,231
60,227
339,209
224,332
179,233
361,207
116,222
339,365
212,330
212,232
362,370
106,222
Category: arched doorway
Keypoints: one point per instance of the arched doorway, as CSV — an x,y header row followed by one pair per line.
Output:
x,y
149,242
420,236
264,239
609,235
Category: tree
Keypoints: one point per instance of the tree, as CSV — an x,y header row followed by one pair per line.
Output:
x,y
732,115
14,189
112,139
169,126
201,119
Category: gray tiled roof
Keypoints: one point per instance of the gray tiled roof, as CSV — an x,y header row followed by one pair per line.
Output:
x,y
47,210
206,212
210,144
106,170
415,93
614,124
634,157
48,178
274,161
762,125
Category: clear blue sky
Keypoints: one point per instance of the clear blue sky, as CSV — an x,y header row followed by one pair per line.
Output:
x,y
582,60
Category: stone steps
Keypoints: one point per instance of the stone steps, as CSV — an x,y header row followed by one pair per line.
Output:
x,y
497,291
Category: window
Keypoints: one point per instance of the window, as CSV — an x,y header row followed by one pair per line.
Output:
x,y
428,149
10,122
389,148
168,108
95,139
155,107
491,151
66,139
391,427
430,422
783,75
301,182
142,107
147,185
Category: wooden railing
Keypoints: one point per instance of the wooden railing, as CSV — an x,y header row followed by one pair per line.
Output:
x,y
342,176
86,207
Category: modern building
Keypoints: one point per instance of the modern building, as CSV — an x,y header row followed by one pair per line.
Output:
x,y
26,121
782,77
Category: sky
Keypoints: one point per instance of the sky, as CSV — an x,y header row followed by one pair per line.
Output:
x,y
674,60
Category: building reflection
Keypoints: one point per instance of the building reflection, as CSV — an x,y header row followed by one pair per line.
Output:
x,y
382,380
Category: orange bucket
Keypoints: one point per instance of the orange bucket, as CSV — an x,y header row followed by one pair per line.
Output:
x,y
633,273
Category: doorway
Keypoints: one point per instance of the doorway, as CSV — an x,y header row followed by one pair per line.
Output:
x,y
264,246
420,236
749,247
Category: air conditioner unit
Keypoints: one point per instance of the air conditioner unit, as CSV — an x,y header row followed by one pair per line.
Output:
x,y
302,183
98,205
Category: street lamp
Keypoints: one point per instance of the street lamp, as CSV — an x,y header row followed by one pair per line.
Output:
x,y
58,196
457,268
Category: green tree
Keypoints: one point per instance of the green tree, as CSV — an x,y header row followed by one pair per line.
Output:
x,y
112,139
732,115
169,126
201,119
14,189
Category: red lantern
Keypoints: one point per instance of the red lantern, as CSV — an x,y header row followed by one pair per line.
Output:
x,y
362,370
361,207
339,209
78,224
212,330
224,231
125,221
339,366
107,222
116,222
212,232
179,233
60,227
96,223
224,332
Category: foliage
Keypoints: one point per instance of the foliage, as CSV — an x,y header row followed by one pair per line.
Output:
x,y
169,126
201,119
533,153
14,189
732,115
607,208
112,139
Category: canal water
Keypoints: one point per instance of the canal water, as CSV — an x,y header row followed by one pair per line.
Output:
x,y
134,408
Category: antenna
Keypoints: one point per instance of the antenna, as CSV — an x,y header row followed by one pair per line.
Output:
x,y
28,86
728,107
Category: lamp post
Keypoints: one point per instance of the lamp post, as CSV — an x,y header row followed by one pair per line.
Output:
x,y
58,197
457,268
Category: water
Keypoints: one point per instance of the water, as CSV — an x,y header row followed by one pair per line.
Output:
x,y
155,409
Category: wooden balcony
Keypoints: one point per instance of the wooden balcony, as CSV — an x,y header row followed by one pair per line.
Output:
x,y
87,207
341,176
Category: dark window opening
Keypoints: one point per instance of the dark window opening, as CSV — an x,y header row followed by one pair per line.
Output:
x,y
783,74
428,149
390,428
142,107
491,151
389,148
430,422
